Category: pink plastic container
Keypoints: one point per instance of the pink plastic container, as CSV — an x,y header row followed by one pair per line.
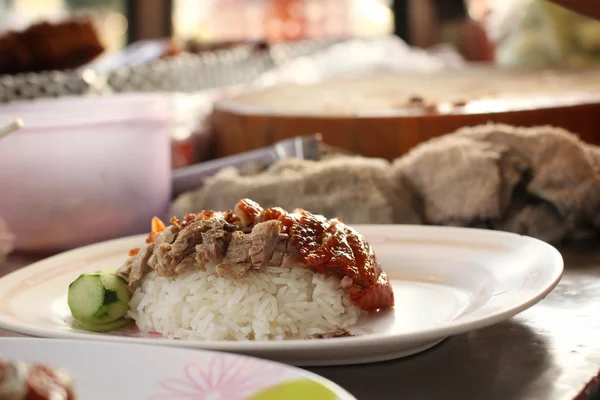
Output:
x,y
84,170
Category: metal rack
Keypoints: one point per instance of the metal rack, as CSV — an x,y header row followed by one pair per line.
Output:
x,y
184,73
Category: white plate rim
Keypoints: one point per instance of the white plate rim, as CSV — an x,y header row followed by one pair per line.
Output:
x,y
449,329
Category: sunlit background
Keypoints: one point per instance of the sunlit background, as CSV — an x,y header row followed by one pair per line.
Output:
x,y
219,20
226,20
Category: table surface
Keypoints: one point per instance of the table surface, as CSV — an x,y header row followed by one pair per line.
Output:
x,y
547,352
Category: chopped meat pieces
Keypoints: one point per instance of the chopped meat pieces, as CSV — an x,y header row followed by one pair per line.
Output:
x,y
233,271
213,247
161,256
137,267
291,256
265,237
252,238
239,249
194,233
237,259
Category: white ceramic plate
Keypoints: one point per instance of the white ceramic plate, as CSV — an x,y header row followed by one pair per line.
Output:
x,y
446,281
121,371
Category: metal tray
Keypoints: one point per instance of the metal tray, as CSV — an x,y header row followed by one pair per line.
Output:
x,y
185,73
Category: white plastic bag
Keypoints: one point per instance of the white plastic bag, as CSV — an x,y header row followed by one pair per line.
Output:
x,y
358,56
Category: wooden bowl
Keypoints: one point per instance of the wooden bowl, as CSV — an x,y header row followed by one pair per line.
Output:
x,y
386,115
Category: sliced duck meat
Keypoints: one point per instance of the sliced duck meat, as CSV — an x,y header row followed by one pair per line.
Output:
x,y
252,238
136,267
180,255
142,260
233,271
161,257
291,257
285,253
265,236
239,247
280,250
194,233
213,247
236,262
264,246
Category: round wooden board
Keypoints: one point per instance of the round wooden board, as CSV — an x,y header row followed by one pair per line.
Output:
x,y
375,116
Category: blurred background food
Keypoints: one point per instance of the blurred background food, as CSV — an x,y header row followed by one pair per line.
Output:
x,y
46,46
201,51
210,20
513,32
375,78
109,16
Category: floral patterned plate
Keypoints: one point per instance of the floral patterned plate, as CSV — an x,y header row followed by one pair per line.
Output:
x,y
105,370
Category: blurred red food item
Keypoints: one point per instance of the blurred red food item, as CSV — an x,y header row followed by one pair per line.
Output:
x,y
285,20
46,46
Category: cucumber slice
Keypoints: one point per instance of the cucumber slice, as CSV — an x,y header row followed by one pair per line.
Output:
x,y
98,298
117,310
86,297
118,285
105,327
102,311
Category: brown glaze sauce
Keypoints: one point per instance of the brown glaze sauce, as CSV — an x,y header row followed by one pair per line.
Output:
x,y
330,247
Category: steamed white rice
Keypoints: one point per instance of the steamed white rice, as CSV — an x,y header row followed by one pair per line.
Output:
x,y
274,304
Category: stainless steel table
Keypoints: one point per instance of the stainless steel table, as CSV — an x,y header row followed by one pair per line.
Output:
x,y
548,352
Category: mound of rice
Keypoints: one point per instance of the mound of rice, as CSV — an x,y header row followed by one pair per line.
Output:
x,y
274,304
